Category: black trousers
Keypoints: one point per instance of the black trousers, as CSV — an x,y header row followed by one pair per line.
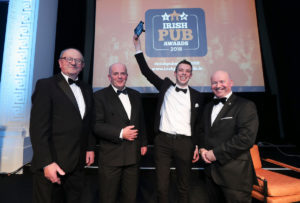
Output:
x,y
118,183
168,148
70,189
220,194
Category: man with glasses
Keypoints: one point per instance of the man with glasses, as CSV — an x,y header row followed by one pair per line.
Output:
x,y
60,132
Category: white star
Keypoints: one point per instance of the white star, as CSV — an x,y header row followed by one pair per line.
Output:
x,y
183,16
165,17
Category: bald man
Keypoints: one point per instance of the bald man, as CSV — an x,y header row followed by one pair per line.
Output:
x,y
120,127
228,131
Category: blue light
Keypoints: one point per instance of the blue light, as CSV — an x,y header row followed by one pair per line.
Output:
x,y
16,81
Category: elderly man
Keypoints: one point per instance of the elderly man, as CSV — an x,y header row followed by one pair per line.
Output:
x,y
60,132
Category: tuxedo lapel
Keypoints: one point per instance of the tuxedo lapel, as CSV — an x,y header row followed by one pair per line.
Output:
x,y
117,104
86,99
64,86
193,106
134,108
208,115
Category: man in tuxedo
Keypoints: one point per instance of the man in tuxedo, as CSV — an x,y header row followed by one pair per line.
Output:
x,y
119,124
228,131
177,110
60,132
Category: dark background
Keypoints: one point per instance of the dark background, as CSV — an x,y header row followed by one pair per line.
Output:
x,y
277,22
3,18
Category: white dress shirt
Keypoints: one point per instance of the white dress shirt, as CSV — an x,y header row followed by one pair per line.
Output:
x,y
175,112
126,104
217,108
125,101
78,95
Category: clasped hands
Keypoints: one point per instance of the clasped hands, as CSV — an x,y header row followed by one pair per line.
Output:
x,y
208,156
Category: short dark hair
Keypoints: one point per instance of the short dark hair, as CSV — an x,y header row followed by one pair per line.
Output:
x,y
184,61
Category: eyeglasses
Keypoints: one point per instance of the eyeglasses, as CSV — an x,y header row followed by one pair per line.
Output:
x,y
70,60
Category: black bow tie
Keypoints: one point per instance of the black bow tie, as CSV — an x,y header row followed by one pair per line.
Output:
x,y
179,89
218,100
70,81
124,91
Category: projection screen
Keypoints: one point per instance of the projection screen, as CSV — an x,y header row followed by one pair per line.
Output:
x,y
212,34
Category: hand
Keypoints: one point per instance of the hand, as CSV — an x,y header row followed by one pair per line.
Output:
x,y
89,158
210,156
203,155
129,133
196,155
50,172
137,43
143,150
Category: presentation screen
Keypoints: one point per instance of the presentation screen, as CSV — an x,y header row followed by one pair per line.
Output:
x,y
212,35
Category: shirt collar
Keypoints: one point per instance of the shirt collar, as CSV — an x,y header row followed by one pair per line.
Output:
x,y
116,89
67,77
227,96
184,87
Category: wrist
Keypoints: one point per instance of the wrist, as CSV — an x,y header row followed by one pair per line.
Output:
x,y
201,150
121,134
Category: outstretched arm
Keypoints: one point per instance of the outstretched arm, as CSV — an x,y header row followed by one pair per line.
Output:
x,y
146,71
137,43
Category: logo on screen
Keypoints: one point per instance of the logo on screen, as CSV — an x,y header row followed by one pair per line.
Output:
x,y
175,32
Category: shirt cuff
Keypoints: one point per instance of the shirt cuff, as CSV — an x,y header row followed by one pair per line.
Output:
x,y
121,134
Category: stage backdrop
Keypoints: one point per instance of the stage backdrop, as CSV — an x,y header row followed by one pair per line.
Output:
x,y
213,35
28,56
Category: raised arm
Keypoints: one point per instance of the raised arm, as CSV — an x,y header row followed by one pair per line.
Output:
x,y
146,71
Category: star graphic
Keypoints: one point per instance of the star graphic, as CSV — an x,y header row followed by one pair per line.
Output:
x,y
165,17
174,15
183,16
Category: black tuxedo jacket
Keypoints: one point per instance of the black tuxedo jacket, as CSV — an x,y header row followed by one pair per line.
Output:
x,y
162,85
110,118
57,131
230,137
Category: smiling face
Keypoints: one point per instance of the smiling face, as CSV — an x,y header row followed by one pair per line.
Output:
x,y
118,75
221,83
68,64
183,74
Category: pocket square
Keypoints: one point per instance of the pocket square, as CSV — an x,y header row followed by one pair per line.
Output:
x,y
196,105
225,118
